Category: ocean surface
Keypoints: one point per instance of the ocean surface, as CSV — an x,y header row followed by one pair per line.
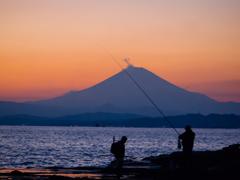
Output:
x,y
39,146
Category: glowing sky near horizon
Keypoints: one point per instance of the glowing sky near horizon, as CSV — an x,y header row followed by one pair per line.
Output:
x,y
49,47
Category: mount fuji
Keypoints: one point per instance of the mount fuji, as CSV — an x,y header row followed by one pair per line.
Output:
x,y
119,94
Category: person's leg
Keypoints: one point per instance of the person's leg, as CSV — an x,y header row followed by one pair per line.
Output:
x,y
119,164
187,157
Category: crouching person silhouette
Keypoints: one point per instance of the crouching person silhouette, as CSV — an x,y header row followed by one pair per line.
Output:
x,y
118,149
187,142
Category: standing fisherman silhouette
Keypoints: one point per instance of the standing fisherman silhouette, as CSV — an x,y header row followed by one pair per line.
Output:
x,y
187,142
118,149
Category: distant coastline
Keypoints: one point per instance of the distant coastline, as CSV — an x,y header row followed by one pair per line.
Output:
x,y
125,120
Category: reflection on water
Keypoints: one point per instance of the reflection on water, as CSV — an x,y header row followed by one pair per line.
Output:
x,y
84,175
29,146
47,172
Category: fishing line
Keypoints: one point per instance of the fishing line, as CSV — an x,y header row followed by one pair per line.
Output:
x,y
139,88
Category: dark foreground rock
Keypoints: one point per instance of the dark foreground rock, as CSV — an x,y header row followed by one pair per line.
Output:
x,y
221,164
206,165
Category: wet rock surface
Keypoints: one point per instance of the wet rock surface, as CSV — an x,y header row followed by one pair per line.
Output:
x,y
221,164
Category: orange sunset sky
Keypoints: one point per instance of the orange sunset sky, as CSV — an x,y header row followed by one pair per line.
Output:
x,y
49,47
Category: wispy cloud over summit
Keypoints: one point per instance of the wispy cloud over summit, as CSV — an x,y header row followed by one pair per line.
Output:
x,y
129,64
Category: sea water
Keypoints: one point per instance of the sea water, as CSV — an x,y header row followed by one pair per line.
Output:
x,y
39,146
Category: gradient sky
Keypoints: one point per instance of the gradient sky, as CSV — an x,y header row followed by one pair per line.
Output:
x,y
49,47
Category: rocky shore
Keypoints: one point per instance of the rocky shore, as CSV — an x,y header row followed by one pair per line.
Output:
x,y
221,164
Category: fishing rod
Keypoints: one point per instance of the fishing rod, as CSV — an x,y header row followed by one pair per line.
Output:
x,y
140,88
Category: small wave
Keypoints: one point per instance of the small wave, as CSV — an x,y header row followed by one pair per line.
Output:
x,y
27,163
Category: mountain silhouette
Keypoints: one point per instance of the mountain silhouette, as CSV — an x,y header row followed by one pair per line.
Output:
x,y
119,94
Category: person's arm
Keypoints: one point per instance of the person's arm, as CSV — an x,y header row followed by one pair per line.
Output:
x,y
181,136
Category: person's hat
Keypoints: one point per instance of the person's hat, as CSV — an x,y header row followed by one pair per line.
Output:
x,y
188,127
124,138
